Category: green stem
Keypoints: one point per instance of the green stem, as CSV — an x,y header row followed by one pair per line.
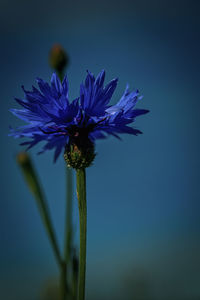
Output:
x,y
60,75
68,225
50,231
75,276
81,195
35,187
63,283
63,275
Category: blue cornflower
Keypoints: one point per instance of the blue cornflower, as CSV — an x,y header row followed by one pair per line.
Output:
x,y
53,119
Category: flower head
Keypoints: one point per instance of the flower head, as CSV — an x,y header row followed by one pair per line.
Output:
x,y
50,117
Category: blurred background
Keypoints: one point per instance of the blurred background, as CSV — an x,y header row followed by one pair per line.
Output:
x,y
143,192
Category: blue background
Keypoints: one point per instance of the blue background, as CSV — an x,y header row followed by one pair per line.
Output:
x,y
143,192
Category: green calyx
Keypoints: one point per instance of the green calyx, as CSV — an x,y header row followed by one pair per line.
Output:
x,y
79,157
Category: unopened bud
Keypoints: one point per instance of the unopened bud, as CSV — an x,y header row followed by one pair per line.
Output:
x,y
58,58
22,158
29,173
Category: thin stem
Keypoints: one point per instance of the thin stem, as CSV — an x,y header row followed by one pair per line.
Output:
x,y
50,231
81,195
63,283
60,75
75,276
35,187
68,225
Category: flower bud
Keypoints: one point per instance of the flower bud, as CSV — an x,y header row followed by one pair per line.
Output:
x,y
29,173
58,58
23,158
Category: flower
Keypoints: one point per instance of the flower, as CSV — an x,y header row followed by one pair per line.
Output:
x,y
53,119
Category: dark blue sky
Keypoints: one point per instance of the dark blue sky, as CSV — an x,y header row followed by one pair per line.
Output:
x,y
143,192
